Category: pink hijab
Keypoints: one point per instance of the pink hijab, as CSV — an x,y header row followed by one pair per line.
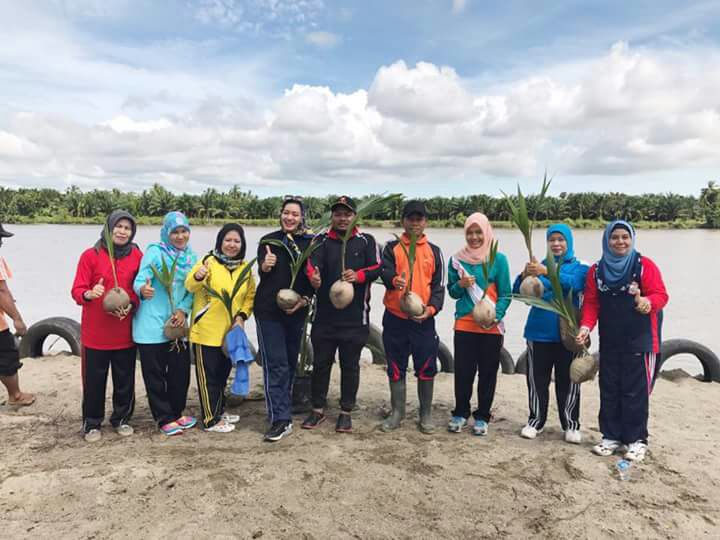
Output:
x,y
479,255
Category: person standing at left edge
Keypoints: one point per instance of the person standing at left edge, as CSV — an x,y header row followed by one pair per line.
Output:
x,y
9,358
403,336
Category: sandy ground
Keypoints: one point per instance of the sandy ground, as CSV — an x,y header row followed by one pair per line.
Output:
x,y
365,485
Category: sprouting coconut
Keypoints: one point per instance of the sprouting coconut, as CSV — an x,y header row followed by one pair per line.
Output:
x,y
483,312
288,298
116,298
567,336
342,292
166,278
584,368
531,285
410,303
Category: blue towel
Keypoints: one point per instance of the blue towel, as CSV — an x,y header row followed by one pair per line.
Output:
x,y
238,347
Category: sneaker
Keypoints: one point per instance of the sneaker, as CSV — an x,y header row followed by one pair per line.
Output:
x,y
313,420
93,436
457,424
480,427
636,451
186,422
607,447
529,432
573,436
171,428
220,427
278,430
124,430
343,424
230,418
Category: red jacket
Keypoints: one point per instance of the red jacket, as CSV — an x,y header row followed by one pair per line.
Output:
x,y
99,330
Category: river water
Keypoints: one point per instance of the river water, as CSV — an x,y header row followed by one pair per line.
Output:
x,y
44,257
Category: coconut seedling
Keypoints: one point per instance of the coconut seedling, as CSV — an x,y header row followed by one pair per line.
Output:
x,y
484,312
166,278
410,303
531,285
116,298
342,292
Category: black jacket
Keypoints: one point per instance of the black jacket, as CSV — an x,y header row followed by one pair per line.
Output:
x,y
363,256
277,278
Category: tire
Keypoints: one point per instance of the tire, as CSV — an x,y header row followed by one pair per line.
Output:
x,y
708,359
507,365
31,345
447,361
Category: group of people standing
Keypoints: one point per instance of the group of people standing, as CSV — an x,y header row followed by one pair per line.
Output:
x,y
623,292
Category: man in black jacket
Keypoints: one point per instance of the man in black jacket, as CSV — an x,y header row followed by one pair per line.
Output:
x,y
344,329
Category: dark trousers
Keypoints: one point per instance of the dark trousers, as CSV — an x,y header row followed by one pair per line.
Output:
x,y
626,380
212,369
279,343
402,338
349,342
95,365
542,358
166,372
476,354
9,357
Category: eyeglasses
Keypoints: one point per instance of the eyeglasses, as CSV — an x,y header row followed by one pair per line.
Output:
x,y
292,198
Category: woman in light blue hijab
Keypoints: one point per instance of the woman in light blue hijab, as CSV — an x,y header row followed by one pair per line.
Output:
x,y
545,349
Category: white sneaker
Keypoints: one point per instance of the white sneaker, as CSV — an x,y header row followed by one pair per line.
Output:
x,y
221,427
93,436
573,436
124,430
607,447
636,451
529,432
230,418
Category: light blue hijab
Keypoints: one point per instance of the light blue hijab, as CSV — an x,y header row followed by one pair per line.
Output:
x,y
616,268
186,259
566,231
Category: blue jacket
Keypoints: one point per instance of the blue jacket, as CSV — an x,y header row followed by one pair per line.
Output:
x,y
543,325
152,314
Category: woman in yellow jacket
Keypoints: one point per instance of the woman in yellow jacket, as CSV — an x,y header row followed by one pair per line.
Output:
x,y
219,270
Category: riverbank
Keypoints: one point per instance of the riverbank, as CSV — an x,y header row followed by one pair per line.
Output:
x,y
368,484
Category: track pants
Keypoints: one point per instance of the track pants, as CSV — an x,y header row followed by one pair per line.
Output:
x,y
626,381
476,354
402,338
279,348
349,342
212,369
95,365
166,373
542,358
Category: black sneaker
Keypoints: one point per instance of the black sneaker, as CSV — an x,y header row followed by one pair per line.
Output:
x,y
314,420
278,430
344,424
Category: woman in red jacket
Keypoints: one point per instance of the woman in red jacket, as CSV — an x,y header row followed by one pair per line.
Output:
x,y
625,293
107,337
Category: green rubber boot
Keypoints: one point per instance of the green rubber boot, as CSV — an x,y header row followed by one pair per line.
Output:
x,y
397,401
425,394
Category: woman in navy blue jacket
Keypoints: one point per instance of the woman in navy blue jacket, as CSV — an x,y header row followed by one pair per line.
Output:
x,y
545,350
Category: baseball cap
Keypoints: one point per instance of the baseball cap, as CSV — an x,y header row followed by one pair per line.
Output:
x,y
344,201
414,207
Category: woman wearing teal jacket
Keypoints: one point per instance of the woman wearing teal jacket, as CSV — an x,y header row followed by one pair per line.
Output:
x,y
165,364
477,348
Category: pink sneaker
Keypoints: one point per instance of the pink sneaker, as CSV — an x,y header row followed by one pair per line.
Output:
x,y
186,422
173,428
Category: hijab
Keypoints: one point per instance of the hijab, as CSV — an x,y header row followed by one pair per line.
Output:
x,y
477,255
231,263
186,256
112,220
617,268
565,230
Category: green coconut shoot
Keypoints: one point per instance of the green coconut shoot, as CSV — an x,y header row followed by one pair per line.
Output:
x,y
227,297
116,298
287,298
484,312
410,303
166,277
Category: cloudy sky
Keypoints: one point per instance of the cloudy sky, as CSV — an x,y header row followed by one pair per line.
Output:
x,y
427,97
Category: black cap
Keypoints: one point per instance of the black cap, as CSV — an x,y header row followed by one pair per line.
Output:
x,y
4,233
344,201
414,207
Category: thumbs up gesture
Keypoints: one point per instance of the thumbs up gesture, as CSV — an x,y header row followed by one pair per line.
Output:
x,y
270,259
97,291
202,272
315,280
147,291
642,304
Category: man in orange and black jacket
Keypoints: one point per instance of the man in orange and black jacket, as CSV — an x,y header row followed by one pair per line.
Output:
x,y
404,335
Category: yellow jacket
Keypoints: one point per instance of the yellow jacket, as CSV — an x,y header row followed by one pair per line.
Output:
x,y
210,320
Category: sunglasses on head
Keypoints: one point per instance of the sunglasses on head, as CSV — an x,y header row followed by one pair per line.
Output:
x,y
292,198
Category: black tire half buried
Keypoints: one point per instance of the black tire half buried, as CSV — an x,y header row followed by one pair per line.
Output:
x,y
708,359
31,344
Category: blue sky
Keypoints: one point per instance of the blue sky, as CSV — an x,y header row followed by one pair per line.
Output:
x,y
425,97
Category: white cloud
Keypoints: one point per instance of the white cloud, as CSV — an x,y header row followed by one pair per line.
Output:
x,y
124,124
259,16
458,6
325,40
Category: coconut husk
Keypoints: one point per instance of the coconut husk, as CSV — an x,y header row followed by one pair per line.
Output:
x,y
532,286
484,313
174,332
116,298
341,294
584,368
567,337
287,299
411,304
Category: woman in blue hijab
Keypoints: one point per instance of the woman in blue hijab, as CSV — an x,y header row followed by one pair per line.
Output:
x,y
165,363
625,294
545,350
